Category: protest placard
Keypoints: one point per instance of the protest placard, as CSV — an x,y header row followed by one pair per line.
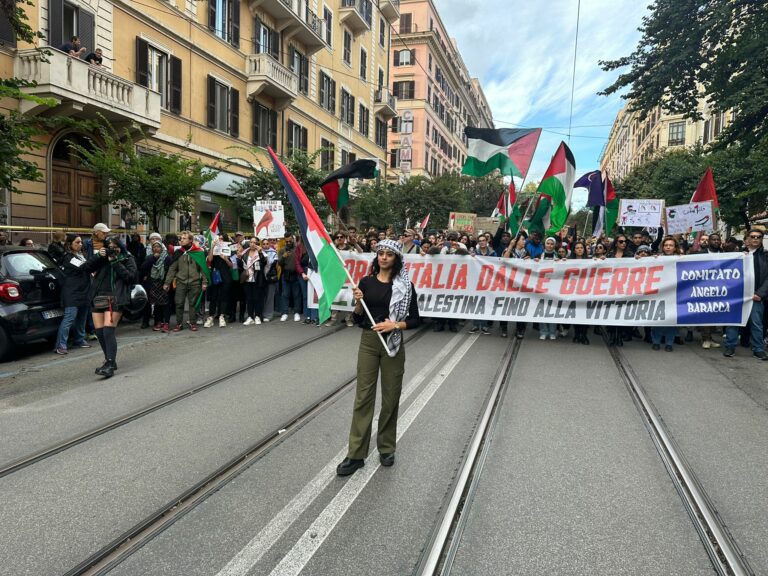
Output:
x,y
462,221
643,213
268,219
693,217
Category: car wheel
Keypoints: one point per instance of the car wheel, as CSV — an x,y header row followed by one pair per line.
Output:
x,y
6,346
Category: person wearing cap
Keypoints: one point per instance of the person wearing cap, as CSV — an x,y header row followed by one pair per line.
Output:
x,y
409,246
392,302
96,241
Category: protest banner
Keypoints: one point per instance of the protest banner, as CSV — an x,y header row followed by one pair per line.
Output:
x,y
462,221
486,224
695,290
641,213
268,219
693,217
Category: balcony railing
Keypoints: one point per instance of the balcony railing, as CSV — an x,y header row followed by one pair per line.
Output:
x,y
357,15
386,103
85,91
297,21
266,75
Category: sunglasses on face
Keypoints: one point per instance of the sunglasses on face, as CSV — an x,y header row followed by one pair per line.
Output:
x,y
755,237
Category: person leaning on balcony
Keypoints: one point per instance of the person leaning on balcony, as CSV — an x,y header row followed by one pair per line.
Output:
x,y
73,48
94,58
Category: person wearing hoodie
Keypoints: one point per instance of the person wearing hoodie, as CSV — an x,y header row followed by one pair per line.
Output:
x,y
152,273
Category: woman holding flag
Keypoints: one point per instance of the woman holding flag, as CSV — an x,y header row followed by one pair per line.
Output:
x,y
391,300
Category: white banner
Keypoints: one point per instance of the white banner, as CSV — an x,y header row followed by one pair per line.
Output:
x,y
695,290
693,217
268,219
642,213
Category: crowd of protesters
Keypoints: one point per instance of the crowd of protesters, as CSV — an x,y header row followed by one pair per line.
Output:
x,y
249,280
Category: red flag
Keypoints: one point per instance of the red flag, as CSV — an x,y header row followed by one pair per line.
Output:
x,y
706,189
512,192
423,225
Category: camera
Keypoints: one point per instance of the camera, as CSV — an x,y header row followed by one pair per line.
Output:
x,y
110,251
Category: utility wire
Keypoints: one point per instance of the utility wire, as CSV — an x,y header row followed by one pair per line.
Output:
x,y
573,79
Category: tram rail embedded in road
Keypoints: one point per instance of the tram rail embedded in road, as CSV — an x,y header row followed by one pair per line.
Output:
x,y
114,553
721,547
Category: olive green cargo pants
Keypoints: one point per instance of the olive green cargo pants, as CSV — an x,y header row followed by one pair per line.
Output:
x,y
372,357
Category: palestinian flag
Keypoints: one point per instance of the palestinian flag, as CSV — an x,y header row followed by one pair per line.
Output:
x,y
213,230
705,191
611,206
328,273
336,185
508,209
424,223
508,149
555,191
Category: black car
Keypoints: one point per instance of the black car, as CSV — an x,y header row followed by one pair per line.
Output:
x,y
30,297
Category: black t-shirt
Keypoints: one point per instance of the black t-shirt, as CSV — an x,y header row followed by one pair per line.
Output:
x,y
377,295
93,57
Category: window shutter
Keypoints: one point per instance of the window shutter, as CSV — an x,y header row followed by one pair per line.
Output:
x,y
289,128
175,99
142,62
257,35
273,130
212,14
322,89
7,34
255,113
351,111
333,96
55,23
234,112
304,139
274,49
211,102
86,30
235,41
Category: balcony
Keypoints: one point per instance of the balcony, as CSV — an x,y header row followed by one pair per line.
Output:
x,y
294,20
386,103
356,15
267,76
84,91
390,9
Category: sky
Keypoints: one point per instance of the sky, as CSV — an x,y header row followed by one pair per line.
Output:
x,y
522,52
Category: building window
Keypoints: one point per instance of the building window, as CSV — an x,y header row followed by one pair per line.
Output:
x,y
7,33
382,33
347,47
300,66
364,120
265,40
363,64
264,126
224,20
394,158
380,83
328,17
676,134
326,155
406,21
223,107
297,137
405,57
405,90
327,93
381,133
429,62
65,21
347,108
159,72
347,157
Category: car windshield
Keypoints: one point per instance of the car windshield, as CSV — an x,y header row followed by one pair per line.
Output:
x,y
26,263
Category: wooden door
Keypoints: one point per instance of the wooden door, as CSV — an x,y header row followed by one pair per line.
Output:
x,y
74,191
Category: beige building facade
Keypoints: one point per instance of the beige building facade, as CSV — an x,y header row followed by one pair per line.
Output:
x,y
203,78
437,98
633,140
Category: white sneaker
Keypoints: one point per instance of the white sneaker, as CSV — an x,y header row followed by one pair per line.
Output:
x,y
256,320
266,319
208,322
248,321
553,336
222,322
706,344
297,317
284,317
543,337
714,344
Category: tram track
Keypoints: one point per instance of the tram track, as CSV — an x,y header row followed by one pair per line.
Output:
x,y
21,463
722,549
133,539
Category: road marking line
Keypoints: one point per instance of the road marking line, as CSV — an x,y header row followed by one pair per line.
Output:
x,y
309,542
250,555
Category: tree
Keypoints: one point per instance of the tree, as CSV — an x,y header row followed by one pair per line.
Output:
x,y
263,184
694,48
155,182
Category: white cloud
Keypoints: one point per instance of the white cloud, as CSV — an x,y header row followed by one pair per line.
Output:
x,y
525,64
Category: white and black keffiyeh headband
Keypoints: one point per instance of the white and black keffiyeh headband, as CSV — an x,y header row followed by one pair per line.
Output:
x,y
400,302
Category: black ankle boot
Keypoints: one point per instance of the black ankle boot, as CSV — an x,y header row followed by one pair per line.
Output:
x,y
100,369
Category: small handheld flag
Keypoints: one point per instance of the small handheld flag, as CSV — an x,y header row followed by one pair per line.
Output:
x,y
336,186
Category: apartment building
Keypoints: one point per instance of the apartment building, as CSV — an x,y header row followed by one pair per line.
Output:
x,y
437,98
633,141
204,78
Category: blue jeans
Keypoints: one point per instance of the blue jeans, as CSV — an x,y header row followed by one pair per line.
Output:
x,y
668,332
310,313
74,318
288,288
482,323
756,330
547,329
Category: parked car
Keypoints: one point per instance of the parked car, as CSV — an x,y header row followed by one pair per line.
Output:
x,y
30,297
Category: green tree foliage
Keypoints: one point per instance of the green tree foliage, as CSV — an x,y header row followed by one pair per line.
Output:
x,y
690,48
143,177
263,184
